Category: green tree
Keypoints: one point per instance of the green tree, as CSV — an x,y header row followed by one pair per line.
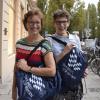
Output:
x,y
98,19
78,18
92,19
42,5
75,7
54,5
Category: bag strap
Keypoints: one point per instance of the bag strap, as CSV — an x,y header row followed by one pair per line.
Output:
x,y
35,48
58,40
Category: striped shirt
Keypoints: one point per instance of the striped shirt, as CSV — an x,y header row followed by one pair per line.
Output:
x,y
23,49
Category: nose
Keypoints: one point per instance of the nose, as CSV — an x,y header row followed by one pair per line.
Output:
x,y
61,24
33,25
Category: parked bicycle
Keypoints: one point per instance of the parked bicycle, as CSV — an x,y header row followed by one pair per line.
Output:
x,y
95,63
90,54
93,58
98,72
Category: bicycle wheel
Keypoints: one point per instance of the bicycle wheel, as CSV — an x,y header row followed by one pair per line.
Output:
x,y
95,64
98,71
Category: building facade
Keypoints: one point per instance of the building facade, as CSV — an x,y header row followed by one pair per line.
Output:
x,y
11,29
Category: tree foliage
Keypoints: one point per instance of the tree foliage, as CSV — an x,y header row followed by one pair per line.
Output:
x,y
98,19
78,18
92,19
58,4
42,5
78,15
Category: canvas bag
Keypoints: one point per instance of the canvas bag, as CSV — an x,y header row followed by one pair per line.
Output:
x,y
33,87
71,68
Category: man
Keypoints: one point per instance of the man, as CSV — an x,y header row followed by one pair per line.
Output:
x,y
61,19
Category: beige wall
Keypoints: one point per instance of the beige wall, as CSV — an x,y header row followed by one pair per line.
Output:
x,y
11,19
21,8
4,42
1,3
11,15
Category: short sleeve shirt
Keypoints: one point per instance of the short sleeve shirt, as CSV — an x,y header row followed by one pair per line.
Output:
x,y
58,48
23,49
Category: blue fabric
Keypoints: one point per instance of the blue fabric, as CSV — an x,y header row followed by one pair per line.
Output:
x,y
32,87
72,67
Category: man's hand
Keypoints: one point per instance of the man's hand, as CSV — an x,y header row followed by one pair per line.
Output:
x,y
86,72
68,48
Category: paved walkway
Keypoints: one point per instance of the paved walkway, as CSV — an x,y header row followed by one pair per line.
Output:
x,y
5,89
92,81
93,87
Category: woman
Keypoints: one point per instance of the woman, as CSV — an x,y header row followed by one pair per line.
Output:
x,y
33,24
61,19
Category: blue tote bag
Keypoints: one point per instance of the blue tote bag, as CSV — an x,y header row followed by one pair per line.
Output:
x,y
71,68
33,87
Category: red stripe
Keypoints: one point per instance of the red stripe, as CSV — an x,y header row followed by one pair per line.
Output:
x,y
36,56
21,53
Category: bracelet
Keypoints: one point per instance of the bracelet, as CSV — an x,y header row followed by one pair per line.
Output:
x,y
30,70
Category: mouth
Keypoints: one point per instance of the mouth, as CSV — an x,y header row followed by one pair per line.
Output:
x,y
33,29
62,29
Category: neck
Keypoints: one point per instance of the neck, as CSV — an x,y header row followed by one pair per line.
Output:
x,y
34,38
63,33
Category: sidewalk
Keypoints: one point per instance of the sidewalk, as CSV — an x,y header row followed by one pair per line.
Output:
x,y
92,81
93,87
5,89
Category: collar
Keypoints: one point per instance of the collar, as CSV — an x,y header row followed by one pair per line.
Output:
x,y
60,36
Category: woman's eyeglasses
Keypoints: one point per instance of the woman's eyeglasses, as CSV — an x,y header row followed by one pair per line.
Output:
x,y
33,22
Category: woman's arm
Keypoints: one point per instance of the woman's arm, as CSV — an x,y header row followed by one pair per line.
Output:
x,y
48,70
14,90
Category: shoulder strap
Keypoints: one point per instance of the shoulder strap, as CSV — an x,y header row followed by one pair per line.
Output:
x,y
59,41
35,49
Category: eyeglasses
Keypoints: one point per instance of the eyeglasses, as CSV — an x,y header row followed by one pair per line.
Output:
x,y
61,22
33,22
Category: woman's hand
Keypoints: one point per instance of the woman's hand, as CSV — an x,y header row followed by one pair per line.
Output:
x,y
22,64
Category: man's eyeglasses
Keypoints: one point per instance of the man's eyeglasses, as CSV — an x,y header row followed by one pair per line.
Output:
x,y
61,22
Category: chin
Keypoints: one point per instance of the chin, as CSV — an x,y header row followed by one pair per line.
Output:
x,y
34,32
62,31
